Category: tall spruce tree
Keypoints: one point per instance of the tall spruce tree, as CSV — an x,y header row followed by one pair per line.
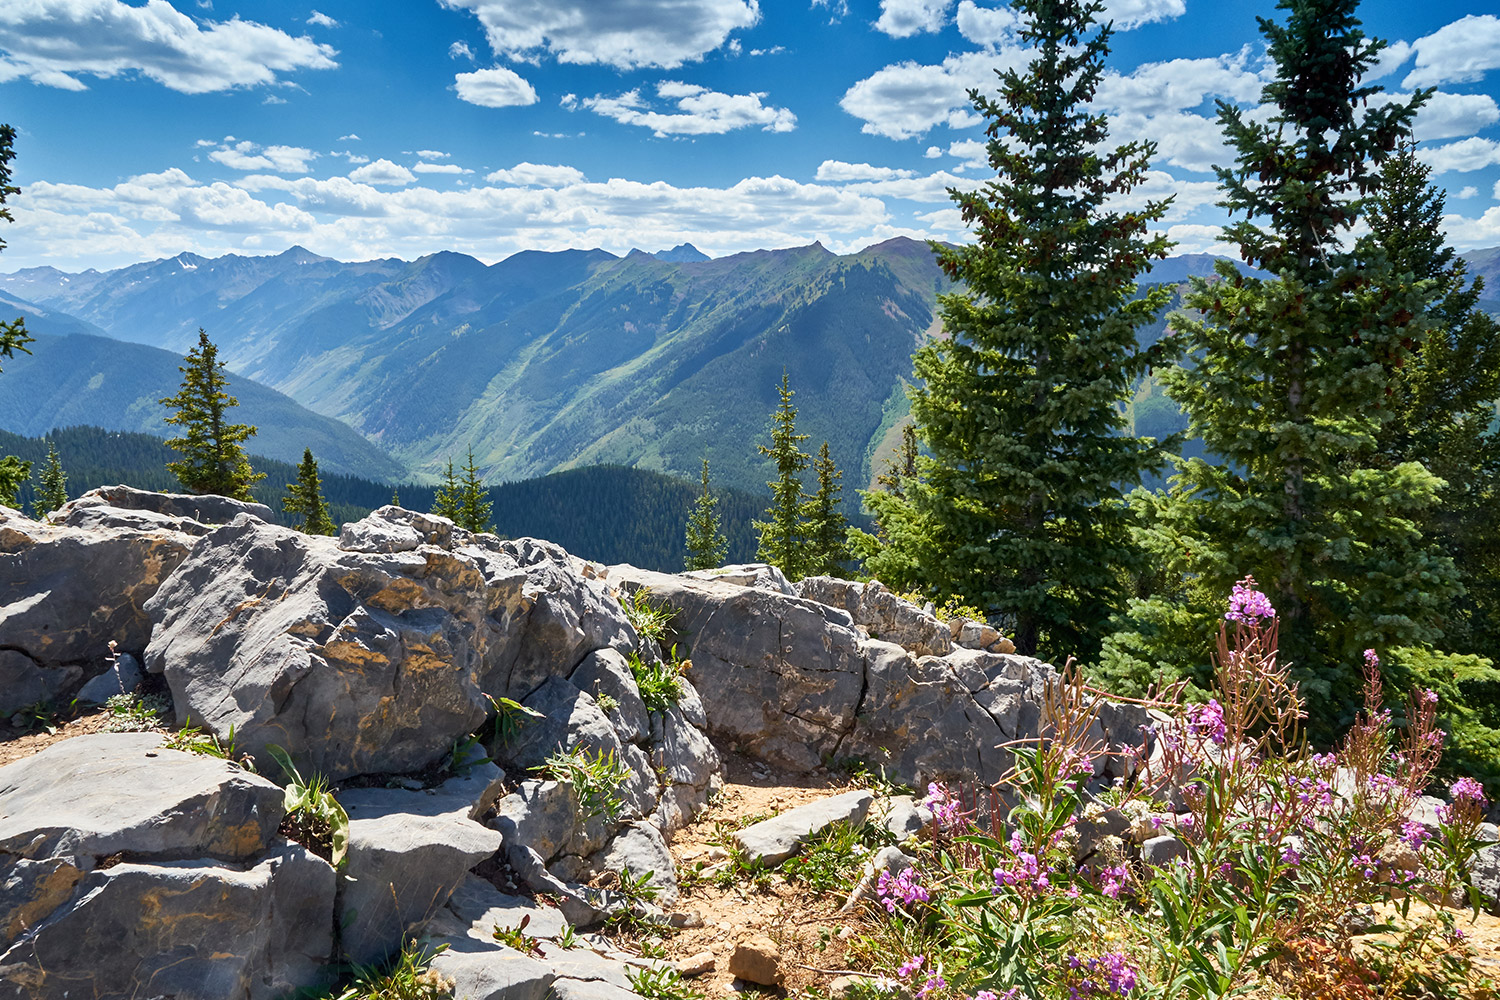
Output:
x,y
473,499
1290,386
706,544
305,497
781,538
13,335
1018,504
825,526
448,497
1442,398
52,485
213,456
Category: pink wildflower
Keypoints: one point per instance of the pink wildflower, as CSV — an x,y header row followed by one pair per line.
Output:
x,y
1247,605
911,965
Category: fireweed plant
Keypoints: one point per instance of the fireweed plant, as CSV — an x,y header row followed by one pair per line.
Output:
x,y
1292,873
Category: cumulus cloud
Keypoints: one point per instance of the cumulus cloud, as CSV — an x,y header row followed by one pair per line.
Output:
x,y
1390,59
904,18
1447,115
626,34
987,25
699,111
1127,14
537,175
351,137
1469,154
1468,191
1456,53
460,50
54,42
494,88
433,154
246,155
439,168
322,20
383,172
1180,84
838,171
907,99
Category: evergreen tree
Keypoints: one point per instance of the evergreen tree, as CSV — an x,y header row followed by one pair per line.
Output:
x,y
13,335
901,467
781,535
1018,505
448,498
213,456
472,497
305,497
52,491
1442,398
1290,387
825,527
706,545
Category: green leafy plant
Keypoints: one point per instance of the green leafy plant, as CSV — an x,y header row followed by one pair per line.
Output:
x,y
314,817
567,939
660,683
517,938
193,739
649,620
510,716
408,977
829,861
129,713
595,776
661,983
40,715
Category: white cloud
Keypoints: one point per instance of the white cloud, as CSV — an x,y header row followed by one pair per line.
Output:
x,y
987,25
626,34
1468,154
772,51
1390,59
904,18
440,168
246,155
353,157
537,175
837,9
1182,139
494,88
460,50
433,154
1456,53
933,152
351,137
838,171
1447,115
53,42
322,20
1468,234
1200,239
343,218
1180,84
1467,192
384,173
907,99
699,111
932,188
273,99
973,152
1127,14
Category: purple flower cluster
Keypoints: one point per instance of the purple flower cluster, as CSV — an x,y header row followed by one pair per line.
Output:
x,y
934,983
945,808
1118,975
1247,605
909,967
1467,790
1112,880
1208,720
1466,802
903,886
1415,834
1025,870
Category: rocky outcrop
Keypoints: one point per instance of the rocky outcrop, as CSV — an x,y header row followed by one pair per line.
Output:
x,y
373,652
131,869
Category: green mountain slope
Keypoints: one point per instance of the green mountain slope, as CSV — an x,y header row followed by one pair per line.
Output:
x,y
607,514
78,379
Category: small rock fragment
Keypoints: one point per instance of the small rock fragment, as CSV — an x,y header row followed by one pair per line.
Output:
x,y
696,965
757,960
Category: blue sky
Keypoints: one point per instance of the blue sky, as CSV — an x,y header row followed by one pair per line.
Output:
x,y
371,128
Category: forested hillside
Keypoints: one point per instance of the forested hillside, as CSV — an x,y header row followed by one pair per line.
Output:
x,y
608,514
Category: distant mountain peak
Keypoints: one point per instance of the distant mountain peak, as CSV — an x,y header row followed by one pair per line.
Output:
x,y
682,253
299,255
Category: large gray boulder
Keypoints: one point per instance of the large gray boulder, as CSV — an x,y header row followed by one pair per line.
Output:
x,y
796,682
772,841
408,850
362,660
121,793
130,508
67,591
194,930
881,613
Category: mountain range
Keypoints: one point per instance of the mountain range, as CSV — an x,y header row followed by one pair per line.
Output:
x,y
542,362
